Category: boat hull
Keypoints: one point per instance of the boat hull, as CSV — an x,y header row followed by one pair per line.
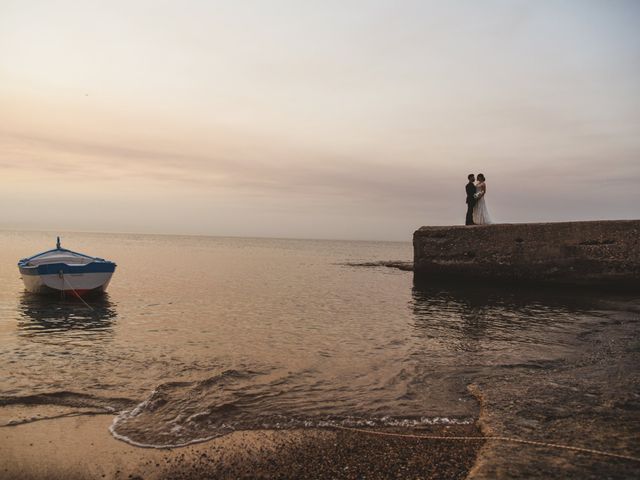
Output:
x,y
80,283
66,271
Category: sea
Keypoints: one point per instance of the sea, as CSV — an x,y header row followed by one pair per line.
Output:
x,y
201,336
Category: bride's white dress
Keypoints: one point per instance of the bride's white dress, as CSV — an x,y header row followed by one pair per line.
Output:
x,y
480,211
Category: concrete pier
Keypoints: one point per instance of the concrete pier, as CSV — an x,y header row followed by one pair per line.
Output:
x,y
596,253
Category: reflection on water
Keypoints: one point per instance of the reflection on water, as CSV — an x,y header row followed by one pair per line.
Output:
x,y
503,325
555,366
248,333
474,299
39,314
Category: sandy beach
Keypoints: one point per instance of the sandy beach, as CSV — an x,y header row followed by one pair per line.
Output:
x,y
82,448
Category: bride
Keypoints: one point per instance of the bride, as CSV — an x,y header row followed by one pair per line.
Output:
x,y
480,211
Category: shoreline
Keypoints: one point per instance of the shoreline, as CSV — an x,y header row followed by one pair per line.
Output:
x,y
79,448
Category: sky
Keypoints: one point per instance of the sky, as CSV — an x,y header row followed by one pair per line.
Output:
x,y
315,119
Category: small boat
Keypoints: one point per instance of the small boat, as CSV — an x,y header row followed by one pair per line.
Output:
x,y
66,272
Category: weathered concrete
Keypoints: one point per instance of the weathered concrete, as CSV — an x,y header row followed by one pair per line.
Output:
x,y
598,253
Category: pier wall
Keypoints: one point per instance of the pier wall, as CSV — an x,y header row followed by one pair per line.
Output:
x,y
595,253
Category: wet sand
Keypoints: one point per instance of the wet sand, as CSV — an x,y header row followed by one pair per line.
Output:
x,y
82,448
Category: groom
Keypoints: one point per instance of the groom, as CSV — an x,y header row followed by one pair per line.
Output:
x,y
471,199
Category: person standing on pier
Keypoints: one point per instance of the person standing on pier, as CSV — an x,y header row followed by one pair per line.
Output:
x,y
471,199
480,211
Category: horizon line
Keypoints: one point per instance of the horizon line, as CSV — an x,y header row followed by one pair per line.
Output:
x,y
164,234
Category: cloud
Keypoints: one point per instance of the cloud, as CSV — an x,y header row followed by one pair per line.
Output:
x,y
313,175
363,115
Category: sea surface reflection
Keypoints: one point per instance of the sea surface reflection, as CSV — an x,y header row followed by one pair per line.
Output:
x,y
469,334
504,325
38,315
557,366
261,333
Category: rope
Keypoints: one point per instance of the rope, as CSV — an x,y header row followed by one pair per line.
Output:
x,y
64,280
496,438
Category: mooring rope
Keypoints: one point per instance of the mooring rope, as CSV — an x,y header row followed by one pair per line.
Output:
x,y
495,438
64,280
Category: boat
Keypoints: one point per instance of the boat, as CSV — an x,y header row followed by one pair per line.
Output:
x,y
66,272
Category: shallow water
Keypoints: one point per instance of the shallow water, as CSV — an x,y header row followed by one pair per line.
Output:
x,y
199,336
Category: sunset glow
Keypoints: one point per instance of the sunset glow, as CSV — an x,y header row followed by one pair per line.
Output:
x,y
355,120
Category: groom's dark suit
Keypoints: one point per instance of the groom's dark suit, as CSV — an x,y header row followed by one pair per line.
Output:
x,y
471,202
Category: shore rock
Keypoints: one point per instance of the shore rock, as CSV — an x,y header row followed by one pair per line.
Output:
x,y
596,253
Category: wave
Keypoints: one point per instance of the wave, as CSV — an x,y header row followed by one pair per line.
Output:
x,y
63,404
68,399
293,424
37,418
177,414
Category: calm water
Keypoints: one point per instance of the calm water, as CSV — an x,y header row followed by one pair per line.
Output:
x,y
199,336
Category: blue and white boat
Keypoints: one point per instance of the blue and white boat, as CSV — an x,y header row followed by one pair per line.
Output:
x,y
64,271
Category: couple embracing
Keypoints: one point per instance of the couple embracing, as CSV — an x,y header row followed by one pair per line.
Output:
x,y
477,213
